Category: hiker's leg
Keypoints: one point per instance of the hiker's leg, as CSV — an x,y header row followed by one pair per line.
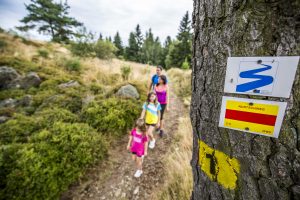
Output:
x,y
150,132
133,157
139,162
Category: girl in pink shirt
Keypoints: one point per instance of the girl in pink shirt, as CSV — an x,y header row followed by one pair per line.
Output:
x,y
138,144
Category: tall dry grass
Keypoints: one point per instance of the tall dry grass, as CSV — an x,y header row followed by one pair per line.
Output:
x,y
109,71
177,164
181,83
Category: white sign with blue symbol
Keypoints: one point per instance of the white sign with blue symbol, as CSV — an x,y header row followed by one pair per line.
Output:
x,y
264,76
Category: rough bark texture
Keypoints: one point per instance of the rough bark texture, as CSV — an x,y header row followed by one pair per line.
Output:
x,y
269,168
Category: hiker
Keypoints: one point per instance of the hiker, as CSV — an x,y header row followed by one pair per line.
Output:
x,y
162,92
155,77
138,145
151,113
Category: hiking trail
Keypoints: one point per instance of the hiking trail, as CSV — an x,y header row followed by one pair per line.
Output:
x,y
113,178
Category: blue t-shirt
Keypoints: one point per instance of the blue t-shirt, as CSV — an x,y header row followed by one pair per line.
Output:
x,y
155,79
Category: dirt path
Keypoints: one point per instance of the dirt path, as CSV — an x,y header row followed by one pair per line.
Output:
x,y
113,179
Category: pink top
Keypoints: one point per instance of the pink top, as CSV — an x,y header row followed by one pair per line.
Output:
x,y
161,93
138,143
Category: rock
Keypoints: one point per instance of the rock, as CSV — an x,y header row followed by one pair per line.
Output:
x,y
7,76
136,190
8,103
128,91
86,100
32,79
123,195
118,192
25,101
3,119
71,83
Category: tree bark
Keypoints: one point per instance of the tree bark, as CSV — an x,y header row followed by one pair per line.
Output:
x,y
268,168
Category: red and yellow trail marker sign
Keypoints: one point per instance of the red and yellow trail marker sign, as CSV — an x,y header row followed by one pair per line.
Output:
x,y
253,116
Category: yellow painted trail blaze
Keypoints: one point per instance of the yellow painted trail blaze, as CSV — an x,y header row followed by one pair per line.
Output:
x,y
218,166
253,127
255,108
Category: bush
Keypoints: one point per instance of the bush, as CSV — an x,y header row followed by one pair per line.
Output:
x,y
72,64
46,167
112,116
125,70
3,45
83,49
105,49
185,64
43,53
18,129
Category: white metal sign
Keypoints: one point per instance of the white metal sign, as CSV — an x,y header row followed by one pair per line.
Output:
x,y
253,116
264,76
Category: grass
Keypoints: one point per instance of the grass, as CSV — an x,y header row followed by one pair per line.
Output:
x,y
177,164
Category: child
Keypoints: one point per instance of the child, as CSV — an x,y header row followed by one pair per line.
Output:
x,y
151,113
161,89
138,145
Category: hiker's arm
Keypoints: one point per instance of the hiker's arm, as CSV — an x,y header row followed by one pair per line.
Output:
x,y
129,142
168,98
158,122
143,114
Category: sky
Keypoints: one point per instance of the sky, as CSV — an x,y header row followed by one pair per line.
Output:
x,y
110,16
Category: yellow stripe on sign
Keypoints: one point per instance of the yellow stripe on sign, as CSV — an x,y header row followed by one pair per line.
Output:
x,y
248,126
218,166
255,108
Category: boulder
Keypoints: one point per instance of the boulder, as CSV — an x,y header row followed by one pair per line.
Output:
x,y
128,91
25,101
32,79
3,119
7,76
8,103
71,83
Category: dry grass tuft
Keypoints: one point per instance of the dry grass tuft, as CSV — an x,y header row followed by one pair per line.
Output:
x,y
179,172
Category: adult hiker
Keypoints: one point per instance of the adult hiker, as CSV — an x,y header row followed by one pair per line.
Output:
x,y
151,114
155,78
162,92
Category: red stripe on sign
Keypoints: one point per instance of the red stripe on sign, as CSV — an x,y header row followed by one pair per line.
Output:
x,y
251,117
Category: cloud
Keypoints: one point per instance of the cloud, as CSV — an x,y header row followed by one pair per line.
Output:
x,y
110,16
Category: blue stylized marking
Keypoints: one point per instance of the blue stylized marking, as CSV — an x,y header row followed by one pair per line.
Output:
x,y
263,80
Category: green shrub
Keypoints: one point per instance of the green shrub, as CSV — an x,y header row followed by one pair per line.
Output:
x,y
105,49
125,70
46,167
18,129
3,45
185,64
43,53
73,64
83,49
49,116
97,88
112,116
11,93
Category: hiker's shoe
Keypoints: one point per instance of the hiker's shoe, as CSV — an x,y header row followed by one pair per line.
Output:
x,y
161,133
138,173
152,144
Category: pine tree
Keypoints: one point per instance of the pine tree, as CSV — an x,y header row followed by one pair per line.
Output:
x,y
50,18
181,49
132,50
139,40
151,50
118,43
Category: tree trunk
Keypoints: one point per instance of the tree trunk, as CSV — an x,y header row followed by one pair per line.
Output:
x,y
242,165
